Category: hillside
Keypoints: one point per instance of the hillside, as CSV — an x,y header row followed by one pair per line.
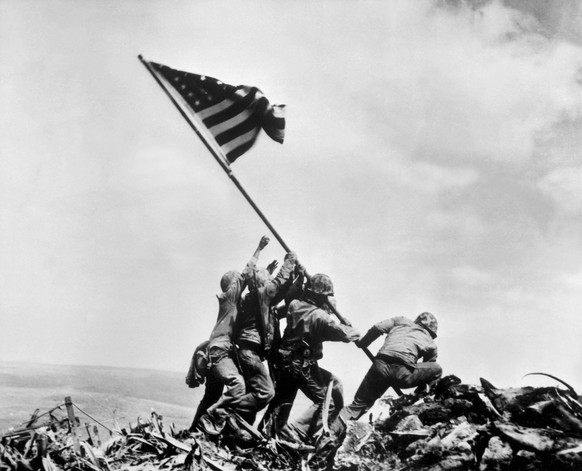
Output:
x,y
108,394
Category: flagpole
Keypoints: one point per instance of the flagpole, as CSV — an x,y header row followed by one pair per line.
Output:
x,y
222,162
217,157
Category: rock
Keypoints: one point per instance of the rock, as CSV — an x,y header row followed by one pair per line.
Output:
x,y
570,458
410,423
461,433
530,438
379,413
527,460
497,456
356,435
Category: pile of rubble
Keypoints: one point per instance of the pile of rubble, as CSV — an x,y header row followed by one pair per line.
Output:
x,y
453,427
60,442
463,427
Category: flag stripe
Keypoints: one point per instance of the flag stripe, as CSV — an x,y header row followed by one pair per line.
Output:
x,y
243,139
249,136
235,154
249,124
205,113
232,122
235,108
222,105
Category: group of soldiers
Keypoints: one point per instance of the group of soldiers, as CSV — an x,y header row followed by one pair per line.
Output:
x,y
247,365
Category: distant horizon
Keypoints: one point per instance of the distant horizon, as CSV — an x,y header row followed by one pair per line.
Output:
x,y
83,365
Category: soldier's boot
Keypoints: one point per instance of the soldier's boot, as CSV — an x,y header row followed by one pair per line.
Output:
x,y
243,437
212,422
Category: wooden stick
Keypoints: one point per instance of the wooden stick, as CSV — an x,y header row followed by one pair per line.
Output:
x,y
72,423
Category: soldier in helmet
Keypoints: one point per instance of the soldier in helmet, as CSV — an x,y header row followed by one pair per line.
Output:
x,y
397,362
222,356
258,331
309,324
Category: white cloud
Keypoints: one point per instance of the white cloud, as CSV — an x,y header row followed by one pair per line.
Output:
x,y
573,281
409,173
457,223
563,186
431,178
472,276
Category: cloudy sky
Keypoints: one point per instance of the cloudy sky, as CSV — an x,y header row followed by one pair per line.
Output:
x,y
431,162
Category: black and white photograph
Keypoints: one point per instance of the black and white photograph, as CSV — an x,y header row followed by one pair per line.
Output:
x,y
290,235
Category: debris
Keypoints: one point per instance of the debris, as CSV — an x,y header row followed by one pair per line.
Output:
x,y
458,427
454,426
497,455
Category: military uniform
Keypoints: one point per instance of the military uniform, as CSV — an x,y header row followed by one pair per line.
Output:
x,y
297,369
396,364
222,367
258,331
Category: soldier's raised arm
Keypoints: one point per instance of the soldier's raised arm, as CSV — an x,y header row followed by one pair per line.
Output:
x,y
252,263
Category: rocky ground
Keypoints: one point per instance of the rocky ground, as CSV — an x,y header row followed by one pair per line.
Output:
x,y
454,426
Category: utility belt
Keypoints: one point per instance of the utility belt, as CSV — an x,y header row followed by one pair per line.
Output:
x,y
216,354
295,353
252,346
394,360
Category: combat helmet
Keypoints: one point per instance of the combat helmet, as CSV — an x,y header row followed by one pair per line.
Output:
x,y
228,278
318,289
429,322
321,284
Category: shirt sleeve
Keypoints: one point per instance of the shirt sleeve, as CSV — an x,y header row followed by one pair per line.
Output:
x,y
330,331
431,354
249,269
282,277
382,327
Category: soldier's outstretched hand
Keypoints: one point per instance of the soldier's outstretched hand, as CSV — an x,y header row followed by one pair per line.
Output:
x,y
264,241
291,256
271,267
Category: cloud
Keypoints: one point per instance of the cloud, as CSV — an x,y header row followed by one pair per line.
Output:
x,y
431,178
459,86
563,185
471,276
431,162
573,280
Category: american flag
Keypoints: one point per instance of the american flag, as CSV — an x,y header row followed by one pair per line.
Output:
x,y
232,115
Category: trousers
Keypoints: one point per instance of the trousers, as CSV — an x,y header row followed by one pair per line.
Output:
x,y
313,381
259,385
384,374
225,371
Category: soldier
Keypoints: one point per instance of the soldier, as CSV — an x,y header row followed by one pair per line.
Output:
x,y
221,352
396,364
308,325
198,375
257,333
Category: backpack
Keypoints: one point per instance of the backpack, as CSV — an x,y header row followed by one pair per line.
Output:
x,y
198,366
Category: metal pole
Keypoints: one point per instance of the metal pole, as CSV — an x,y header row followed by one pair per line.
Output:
x,y
344,321
220,159
368,353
